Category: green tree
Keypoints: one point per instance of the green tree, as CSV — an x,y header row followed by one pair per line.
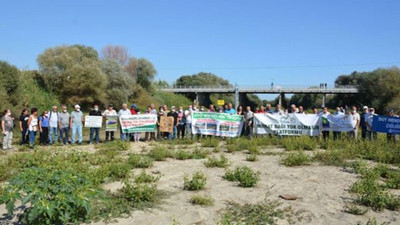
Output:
x,y
118,88
74,74
10,79
142,71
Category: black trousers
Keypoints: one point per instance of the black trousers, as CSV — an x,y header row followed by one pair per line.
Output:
x,y
110,134
44,136
325,135
181,131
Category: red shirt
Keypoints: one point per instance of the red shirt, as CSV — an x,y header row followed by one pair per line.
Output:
x,y
133,112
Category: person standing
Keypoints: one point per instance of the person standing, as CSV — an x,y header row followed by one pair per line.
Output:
x,y
53,125
151,135
64,124
44,128
107,113
76,122
278,110
181,123
301,110
174,114
95,130
325,123
124,112
371,134
23,126
33,126
363,122
230,109
391,137
248,119
7,126
337,134
136,135
356,119
269,109
188,115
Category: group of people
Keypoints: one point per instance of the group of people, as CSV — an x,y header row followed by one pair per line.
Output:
x,y
54,125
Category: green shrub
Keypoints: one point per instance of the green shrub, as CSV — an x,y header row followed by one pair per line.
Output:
x,y
197,182
160,153
297,158
354,209
331,157
123,145
140,161
137,194
183,154
372,221
244,175
143,177
252,158
117,171
213,161
50,196
203,200
200,153
4,172
254,150
211,142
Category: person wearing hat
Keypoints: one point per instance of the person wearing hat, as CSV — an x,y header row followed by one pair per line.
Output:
x,y
363,122
124,112
109,112
76,123
134,109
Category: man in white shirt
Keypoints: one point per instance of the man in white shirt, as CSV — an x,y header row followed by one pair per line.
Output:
x,y
370,132
53,125
356,118
109,112
188,115
123,112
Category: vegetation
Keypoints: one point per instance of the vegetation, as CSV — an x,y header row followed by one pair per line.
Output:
x,y
297,158
244,175
213,161
202,200
197,182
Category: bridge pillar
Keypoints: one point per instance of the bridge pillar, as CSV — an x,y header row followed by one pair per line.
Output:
x,y
281,96
203,99
323,100
236,96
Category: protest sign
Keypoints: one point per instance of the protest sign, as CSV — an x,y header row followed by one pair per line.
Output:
x,y
339,122
386,124
138,123
93,121
216,124
220,102
166,124
112,123
287,124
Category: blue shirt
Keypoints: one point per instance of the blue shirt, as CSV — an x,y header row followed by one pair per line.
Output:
x,y
44,121
230,111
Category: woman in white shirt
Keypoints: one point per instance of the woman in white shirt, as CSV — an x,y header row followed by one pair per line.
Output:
x,y
33,126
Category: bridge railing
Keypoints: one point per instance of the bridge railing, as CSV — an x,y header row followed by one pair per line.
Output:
x,y
263,87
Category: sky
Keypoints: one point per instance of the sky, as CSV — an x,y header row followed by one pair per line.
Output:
x,y
246,42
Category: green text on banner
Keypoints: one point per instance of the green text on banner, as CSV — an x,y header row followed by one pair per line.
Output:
x,y
138,123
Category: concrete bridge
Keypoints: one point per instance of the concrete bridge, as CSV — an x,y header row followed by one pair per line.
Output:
x,y
202,92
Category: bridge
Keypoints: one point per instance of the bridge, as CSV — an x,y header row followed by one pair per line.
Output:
x,y
202,92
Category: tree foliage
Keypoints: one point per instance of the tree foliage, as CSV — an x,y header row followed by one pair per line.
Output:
x,y
10,78
142,71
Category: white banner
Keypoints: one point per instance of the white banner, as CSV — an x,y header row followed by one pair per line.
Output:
x,y
287,124
93,121
217,124
338,122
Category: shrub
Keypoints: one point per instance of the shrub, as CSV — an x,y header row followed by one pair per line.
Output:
x,y
137,194
4,172
297,158
140,161
143,177
211,142
183,154
197,182
160,153
50,196
215,162
372,221
251,158
354,209
331,157
123,145
244,175
117,171
203,200
200,153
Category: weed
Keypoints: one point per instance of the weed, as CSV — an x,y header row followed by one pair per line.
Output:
x,y
143,177
200,153
213,161
251,158
297,158
137,194
197,182
160,153
117,171
210,142
372,221
354,209
202,200
244,175
140,161
183,154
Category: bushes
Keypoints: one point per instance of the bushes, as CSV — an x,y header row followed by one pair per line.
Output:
x,y
50,196
215,162
299,143
251,158
140,161
297,158
244,175
197,182
200,153
202,200
143,177
183,154
137,194
160,153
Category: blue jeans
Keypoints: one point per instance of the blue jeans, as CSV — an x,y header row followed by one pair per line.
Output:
x,y
76,129
32,136
122,135
64,134
53,130
173,134
189,130
94,131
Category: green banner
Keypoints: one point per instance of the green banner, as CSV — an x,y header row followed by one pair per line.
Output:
x,y
138,123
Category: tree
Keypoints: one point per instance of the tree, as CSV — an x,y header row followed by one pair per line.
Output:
x,y
116,52
74,74
142,71
10,79
201,79
118,85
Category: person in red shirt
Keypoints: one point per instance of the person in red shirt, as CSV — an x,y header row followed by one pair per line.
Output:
x,y
134,109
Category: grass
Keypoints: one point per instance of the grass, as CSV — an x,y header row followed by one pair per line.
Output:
x,y
200,153
213,161
140,161
244,175
183,154
160,153
203,200
297,158
144,177
197,182
251,157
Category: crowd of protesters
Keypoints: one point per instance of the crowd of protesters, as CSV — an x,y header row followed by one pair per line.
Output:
x,y
55,126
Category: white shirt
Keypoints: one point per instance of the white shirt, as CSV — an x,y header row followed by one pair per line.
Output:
x,y
110,113
369,121
124,112
188,114
53,119
355,117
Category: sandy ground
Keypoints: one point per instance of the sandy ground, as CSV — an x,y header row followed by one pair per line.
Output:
x,y
322,192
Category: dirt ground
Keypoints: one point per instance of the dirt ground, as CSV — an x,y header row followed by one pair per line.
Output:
x,y
322,191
